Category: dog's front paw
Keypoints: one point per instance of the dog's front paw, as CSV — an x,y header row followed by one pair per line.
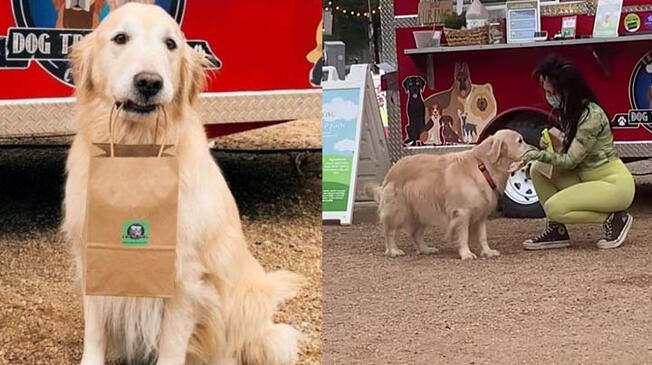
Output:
x,y
89,358
468,255
278,345
394,252
490,253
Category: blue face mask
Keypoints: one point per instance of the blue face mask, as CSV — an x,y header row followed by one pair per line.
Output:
x,y
554,100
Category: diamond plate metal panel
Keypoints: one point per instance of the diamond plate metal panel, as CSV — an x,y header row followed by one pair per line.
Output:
x,y
388,54
51,117
387,35
219,108
406,21
36,118
637,8
625,149
634,149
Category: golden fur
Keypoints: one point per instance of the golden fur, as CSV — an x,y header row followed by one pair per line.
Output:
x,y
222,310
426,190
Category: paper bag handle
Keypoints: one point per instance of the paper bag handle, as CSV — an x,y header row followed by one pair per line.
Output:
x,y
111,128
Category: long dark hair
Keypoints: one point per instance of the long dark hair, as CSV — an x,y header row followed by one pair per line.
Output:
x,y
575,93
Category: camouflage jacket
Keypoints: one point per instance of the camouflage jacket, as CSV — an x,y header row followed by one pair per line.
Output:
x,y
592,146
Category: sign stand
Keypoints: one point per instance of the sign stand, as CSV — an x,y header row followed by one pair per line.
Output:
x,y
355,148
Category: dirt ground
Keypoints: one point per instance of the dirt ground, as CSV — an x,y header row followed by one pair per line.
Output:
x,y
294,134
40,311
579,305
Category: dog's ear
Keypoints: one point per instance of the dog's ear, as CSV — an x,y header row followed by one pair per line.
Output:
x,y
81,59
405,84
495,149
490,149
193,77
422,83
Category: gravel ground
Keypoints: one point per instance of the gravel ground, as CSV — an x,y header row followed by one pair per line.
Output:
x,y
579,305
40,311
294,134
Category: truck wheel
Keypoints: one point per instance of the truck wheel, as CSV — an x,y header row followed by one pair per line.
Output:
x,y
519,199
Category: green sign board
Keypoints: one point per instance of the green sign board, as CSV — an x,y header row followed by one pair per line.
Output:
x,y
341,137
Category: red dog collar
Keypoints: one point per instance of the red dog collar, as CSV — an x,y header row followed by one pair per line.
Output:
x,y
487,176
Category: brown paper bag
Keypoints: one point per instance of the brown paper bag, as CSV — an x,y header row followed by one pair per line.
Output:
x,y
130,231
557,138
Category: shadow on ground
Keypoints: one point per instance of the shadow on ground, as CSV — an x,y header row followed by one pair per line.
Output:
x,y
32,185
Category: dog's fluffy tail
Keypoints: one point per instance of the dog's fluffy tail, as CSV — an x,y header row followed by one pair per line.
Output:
x,y
373,191
285,285
265,342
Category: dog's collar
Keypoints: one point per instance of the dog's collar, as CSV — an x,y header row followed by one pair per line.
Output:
x,y
487,176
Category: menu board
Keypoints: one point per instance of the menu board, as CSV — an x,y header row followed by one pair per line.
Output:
x,y
522,21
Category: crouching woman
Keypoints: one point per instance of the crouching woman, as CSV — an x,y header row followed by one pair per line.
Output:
x,y
589,183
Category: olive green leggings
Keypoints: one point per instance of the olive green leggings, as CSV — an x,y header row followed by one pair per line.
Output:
x,y
585,195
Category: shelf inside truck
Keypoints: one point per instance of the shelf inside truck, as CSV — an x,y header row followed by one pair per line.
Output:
x,y
567,42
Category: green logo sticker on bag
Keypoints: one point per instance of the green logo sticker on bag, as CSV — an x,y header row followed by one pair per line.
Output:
x,y
135,232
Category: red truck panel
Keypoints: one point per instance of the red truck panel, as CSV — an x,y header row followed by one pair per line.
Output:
x,y
503,77
262,45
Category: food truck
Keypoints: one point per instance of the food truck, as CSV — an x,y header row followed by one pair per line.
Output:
x,y
446,97
266,68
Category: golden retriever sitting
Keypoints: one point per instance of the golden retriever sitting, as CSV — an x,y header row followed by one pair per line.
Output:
x,y
424,190
222,310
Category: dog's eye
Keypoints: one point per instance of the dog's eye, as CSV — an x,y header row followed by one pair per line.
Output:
x,y
171,44
520,140
120,38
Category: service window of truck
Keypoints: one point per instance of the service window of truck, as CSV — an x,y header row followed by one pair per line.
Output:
x,y
449,92
246,90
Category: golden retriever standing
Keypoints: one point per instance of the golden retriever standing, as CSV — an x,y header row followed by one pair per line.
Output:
x,y
425,190
221,313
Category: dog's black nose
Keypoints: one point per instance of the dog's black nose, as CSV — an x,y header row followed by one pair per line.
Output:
x,y
148,84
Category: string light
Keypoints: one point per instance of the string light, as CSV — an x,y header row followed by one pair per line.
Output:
x,y
350,12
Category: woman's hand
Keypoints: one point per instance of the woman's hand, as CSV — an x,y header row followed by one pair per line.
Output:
x,y
530,155
542,144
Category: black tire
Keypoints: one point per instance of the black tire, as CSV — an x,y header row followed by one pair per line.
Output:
x,y
530,127
512,209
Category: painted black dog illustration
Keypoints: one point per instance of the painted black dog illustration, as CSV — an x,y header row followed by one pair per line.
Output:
x,y
417,128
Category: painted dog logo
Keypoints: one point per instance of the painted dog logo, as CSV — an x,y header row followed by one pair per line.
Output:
x,y
640,97
46,30
135,231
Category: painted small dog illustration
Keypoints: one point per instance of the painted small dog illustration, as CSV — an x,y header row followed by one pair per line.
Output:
x,y
469,130
449,134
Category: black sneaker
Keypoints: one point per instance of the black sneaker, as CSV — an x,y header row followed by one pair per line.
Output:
x,y
615,229
554,236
